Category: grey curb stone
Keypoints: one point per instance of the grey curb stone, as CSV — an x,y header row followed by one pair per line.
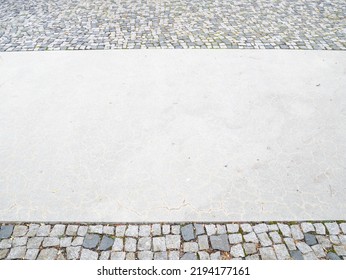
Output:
x,y
219,242
91,241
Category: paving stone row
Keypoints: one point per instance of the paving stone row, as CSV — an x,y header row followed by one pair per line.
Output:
x,y
193,241
27,25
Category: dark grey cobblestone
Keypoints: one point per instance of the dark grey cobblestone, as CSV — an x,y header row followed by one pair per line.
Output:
x,y
25,25
249,241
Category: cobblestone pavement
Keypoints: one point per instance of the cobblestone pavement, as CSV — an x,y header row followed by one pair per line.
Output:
x,y
250,241
108,24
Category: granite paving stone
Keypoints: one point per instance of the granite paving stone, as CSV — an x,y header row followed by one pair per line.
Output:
x,y
19,241
19,230
246,227
5,244
173,255
166,229
334,239
58,230
303,247
318,250
48,254
187,232
251,237
310,239
310,256
159,244
332,228
275,236
290,244
175,229
130,256
281,252
340,250
264,239
215,256
324,241
190,247
296,255
6,231
117,255
118,244
120,230
65,241
296,232
267,253
77,241
203,255
95,229
106,243
343,227
144,243
108,230
333,256
220,242
232,228
254,257
43,230
342,239
3,253
260,228
250,248
87,254
105,255
17,253
71,230
130,244
82,230
199,229
273,227
173,241
34,242
211,229
235,238
320,228
31,254
145,255
91,240
307,227
50,242
285,230
156,229
132,231
203,242
220,229
33,228
144,230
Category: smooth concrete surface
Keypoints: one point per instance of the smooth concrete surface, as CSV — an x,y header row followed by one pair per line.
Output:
x,y
172,135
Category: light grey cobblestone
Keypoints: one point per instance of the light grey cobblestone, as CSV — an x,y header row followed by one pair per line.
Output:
x,y
156,229
95,229
240,244
260,228
332,228
72,25
82,231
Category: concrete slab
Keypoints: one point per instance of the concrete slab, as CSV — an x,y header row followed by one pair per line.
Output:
x,y
159,135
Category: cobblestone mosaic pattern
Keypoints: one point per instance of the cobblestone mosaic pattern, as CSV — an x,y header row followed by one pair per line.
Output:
x,y
117,24
249,241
